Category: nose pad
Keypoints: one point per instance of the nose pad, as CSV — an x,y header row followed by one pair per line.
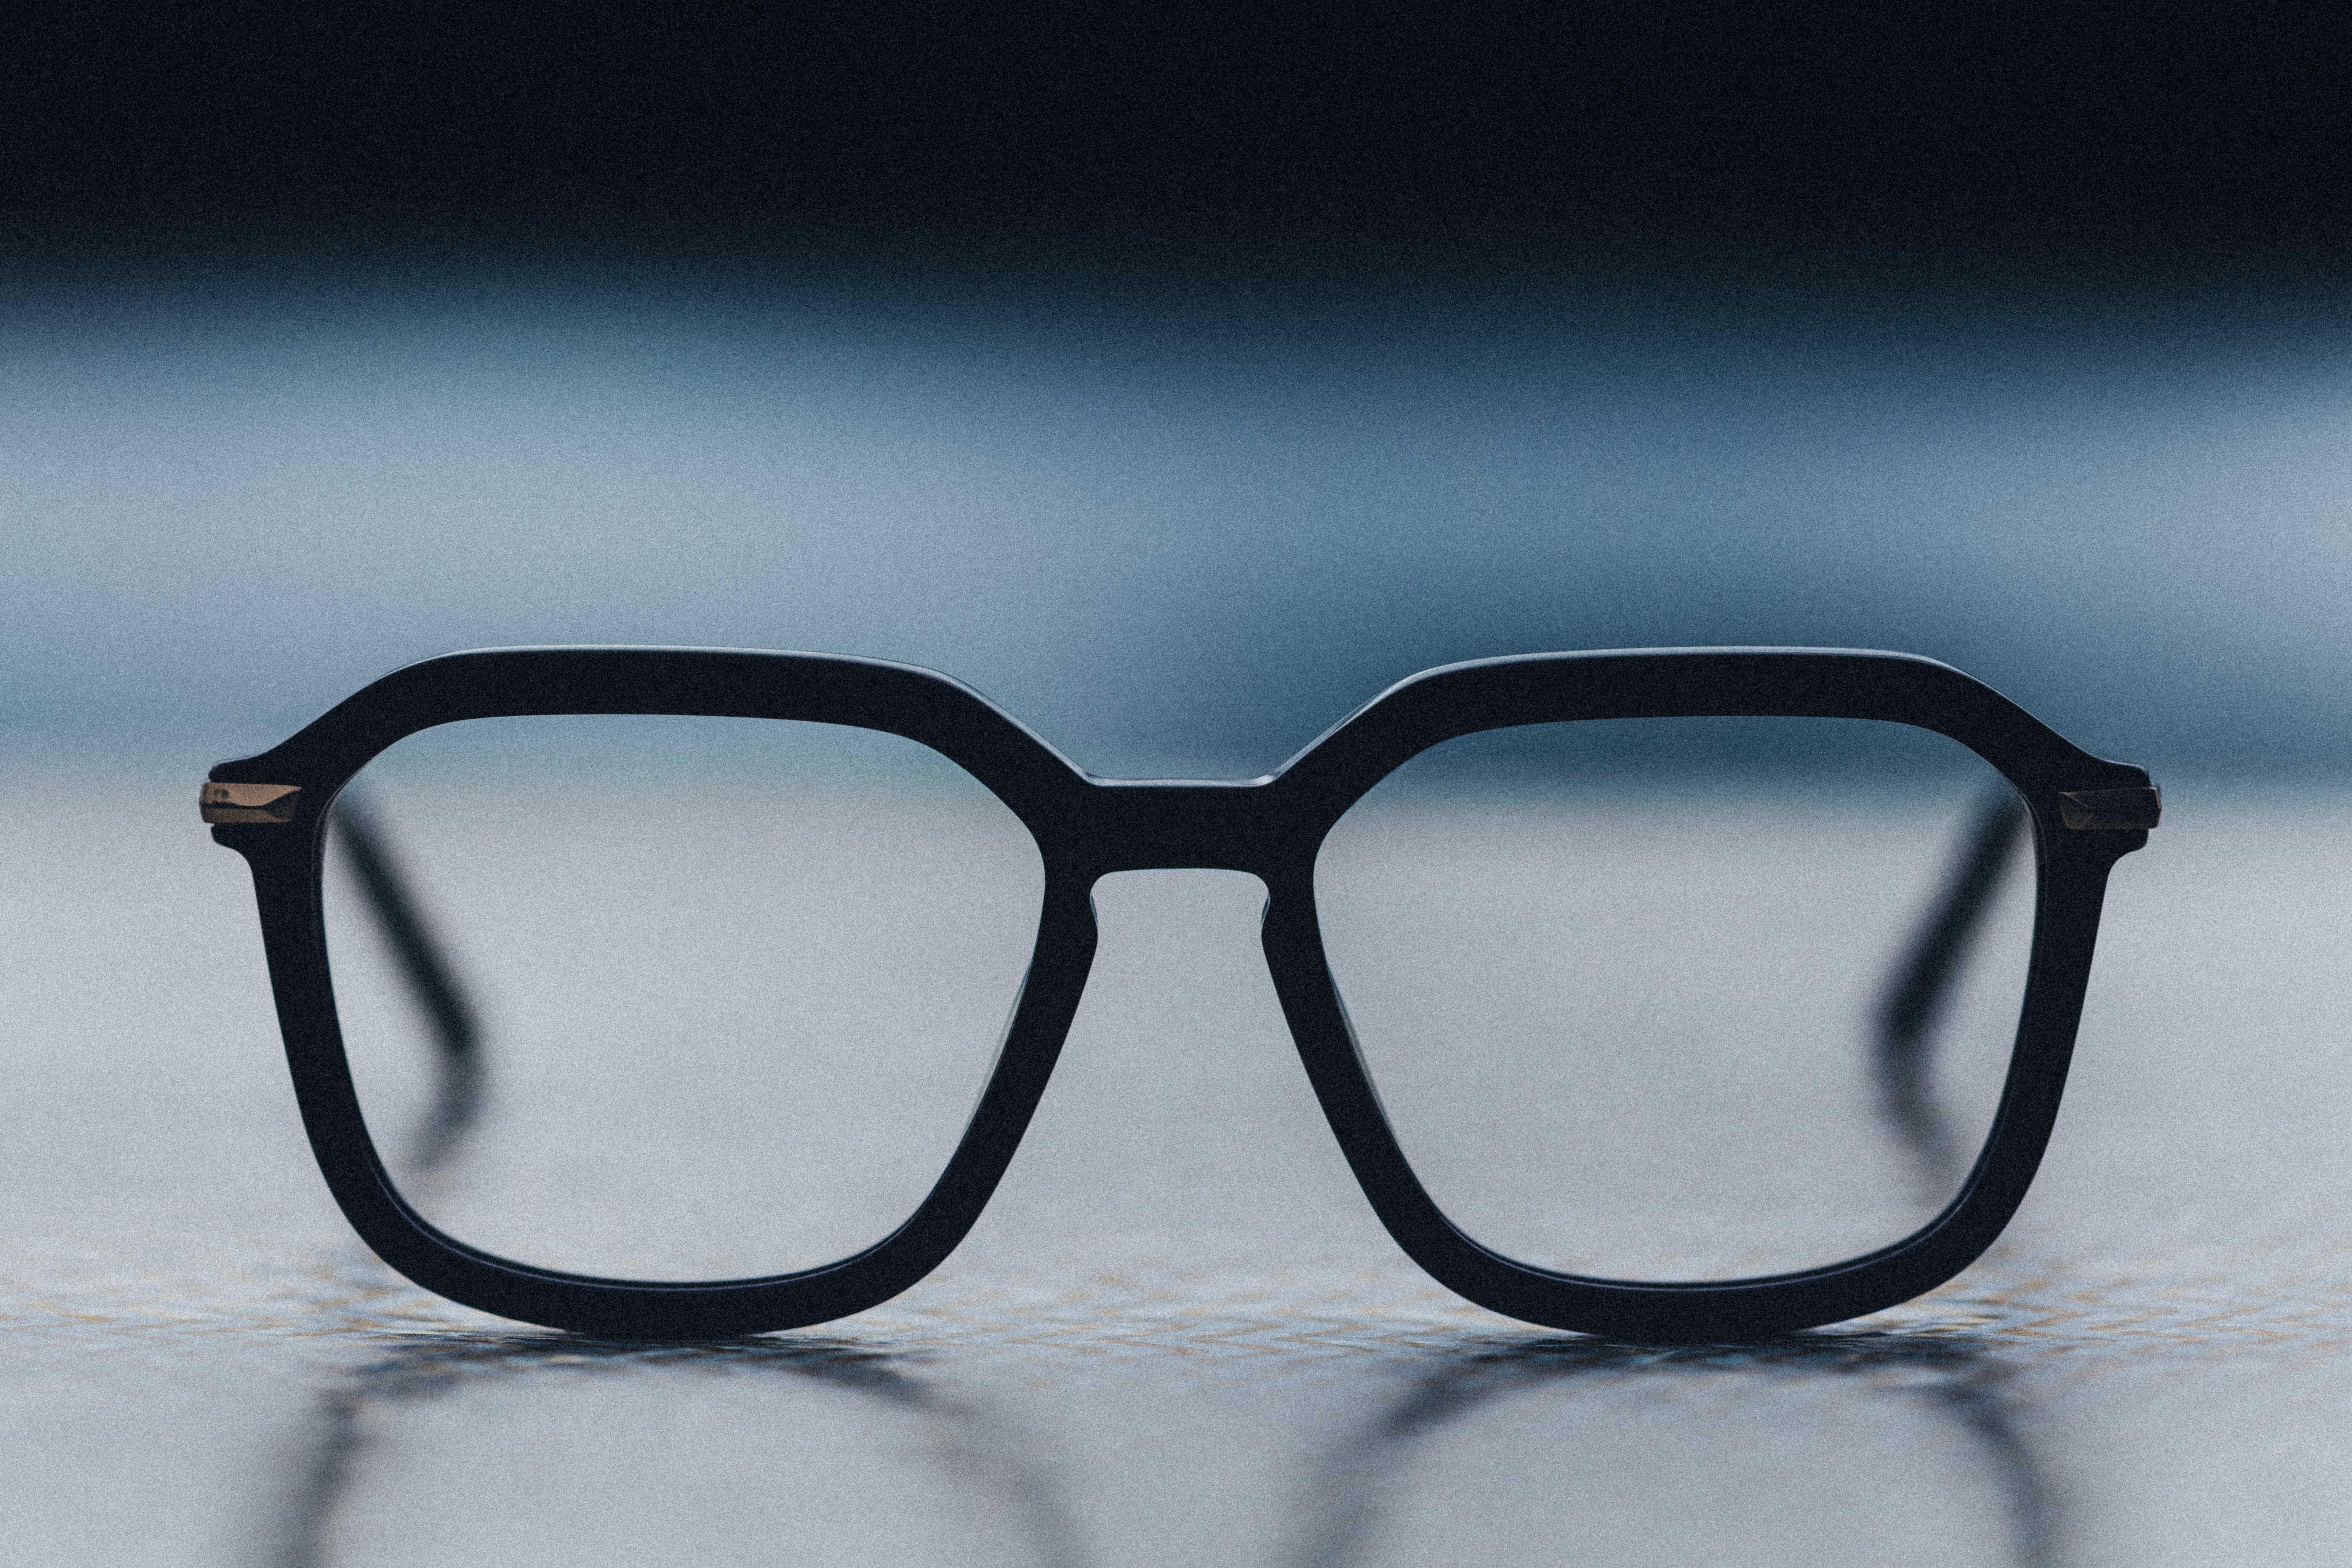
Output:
x,y
1179,1103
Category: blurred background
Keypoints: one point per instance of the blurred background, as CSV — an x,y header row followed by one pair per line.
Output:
x,y
1180,376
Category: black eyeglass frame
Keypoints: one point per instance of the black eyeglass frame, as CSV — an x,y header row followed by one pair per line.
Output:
x,y
2086,815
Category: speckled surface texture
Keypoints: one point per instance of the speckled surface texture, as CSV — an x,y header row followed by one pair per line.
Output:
x,y
1178,1337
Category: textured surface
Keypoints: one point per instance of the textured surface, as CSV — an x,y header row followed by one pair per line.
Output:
x,y
1177,1337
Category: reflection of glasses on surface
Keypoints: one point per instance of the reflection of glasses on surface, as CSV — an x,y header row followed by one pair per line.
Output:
x,y
973,1498
1361,1502
1631,948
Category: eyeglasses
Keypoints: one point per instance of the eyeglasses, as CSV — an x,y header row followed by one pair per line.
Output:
x,y
1672,994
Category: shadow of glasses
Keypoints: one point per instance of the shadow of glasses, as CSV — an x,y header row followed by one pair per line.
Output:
x,y
1953,1381
977,1462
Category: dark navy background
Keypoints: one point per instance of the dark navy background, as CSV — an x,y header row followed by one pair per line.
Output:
x,y
2055,125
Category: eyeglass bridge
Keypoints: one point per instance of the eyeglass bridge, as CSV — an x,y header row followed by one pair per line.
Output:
x,y
1180,824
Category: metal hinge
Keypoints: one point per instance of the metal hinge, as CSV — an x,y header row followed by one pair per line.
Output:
x,y
247,802
2104,808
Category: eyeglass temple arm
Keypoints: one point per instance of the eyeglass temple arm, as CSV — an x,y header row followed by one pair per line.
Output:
x,y
439,995
1920,986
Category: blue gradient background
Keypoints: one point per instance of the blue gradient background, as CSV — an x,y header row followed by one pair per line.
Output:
x,y
1177,521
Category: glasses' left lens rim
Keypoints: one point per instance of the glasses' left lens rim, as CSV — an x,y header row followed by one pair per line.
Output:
x,y
287,861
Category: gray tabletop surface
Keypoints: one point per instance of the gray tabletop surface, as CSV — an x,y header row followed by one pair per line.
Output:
x,y
1178,1336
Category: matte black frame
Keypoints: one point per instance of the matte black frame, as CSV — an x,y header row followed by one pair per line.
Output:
x,y
1087,828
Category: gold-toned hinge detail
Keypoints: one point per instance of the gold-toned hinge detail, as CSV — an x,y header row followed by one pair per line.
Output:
x,y
247,802
2103,808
